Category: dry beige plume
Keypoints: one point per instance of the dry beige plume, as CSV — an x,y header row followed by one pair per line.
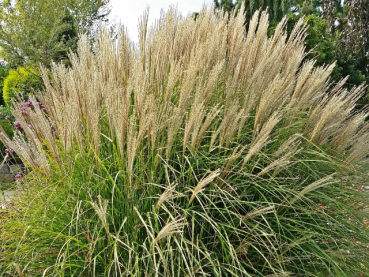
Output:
x,y
101,209
288,149
261,211
232,158
169,194
357,151
313,186
173,227
283,274
277,165
186,81
205,181
262,137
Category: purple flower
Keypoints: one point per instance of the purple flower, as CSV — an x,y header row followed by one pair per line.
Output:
x,y
7,117
7,150
17,125
39,103
29,104
43,109
18,176
1,108
24,112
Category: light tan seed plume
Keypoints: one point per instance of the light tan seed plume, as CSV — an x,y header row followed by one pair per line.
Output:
x,y
169,194
205,181
101,210
173,227
258,212
283,156
313,186
262,137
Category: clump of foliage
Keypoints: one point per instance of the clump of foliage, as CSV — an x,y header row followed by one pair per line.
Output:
x,y
24,80
204,151
37,31
319,42
4,72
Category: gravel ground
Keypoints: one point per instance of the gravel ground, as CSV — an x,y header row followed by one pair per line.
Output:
x,y
5,198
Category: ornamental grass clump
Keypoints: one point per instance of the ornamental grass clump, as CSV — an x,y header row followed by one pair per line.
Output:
x,y
201,151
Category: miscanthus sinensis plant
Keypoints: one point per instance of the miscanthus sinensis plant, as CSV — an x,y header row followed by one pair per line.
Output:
x,y
202,151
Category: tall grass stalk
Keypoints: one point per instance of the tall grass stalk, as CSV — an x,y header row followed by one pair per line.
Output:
x,y
202,151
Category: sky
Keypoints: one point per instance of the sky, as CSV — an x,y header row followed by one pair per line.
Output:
x,y
127,12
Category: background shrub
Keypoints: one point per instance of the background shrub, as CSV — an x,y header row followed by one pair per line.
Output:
x,y
24,80
4,71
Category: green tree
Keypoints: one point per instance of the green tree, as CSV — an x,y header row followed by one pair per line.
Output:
x,y
226,5
39,31
349,22
354,38
67,38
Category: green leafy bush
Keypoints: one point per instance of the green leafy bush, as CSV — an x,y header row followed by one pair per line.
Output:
x,y
206,151
4,72
24,80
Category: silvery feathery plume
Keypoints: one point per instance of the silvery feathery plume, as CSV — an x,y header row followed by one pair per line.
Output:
x,y
261,211
169,194
200,186
263,137
101,209
173,227
313,186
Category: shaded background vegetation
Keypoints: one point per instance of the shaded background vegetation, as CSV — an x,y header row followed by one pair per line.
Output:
x,y
40,32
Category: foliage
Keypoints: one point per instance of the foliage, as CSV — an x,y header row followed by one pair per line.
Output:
x,y
24,80
349,23
354,38
319,42
4,72
203,151
6,124
68,36
226,5
38,31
